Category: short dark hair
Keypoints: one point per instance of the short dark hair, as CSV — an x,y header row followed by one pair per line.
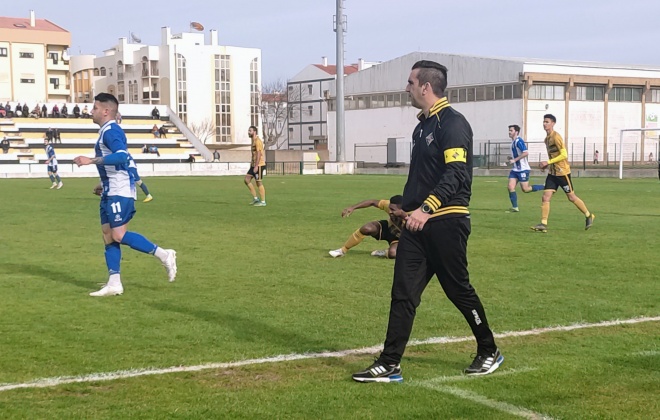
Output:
x,y
254,128
433,73
550,117
106,97
516,127
396,199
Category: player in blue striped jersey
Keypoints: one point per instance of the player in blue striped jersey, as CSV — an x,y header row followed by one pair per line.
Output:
x,y
51,163
117,191
520,170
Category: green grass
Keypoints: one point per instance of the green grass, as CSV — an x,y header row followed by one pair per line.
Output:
x,y
258,282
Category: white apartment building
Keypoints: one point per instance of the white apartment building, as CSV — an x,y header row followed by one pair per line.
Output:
x,y
308,92
592,102
34,64
206,84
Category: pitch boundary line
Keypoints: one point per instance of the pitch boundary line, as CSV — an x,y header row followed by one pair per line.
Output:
x,y
133,373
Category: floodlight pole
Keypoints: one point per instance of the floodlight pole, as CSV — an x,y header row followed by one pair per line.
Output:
x,y
341,125
621,152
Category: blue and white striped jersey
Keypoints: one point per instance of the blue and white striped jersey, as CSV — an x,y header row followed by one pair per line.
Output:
x,y
115,178
518,146
50,152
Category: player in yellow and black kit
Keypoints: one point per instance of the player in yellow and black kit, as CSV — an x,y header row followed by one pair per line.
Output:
x,y
257,168
559,176
382,230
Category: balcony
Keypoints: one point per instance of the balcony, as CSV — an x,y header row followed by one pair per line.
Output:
x,y
154,73
58,90
120,76
58,65
154,95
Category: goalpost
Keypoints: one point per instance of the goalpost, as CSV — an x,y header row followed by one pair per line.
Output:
x,y
643,139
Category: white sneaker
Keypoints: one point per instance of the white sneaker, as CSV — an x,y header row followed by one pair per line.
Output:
x,y
54,185
379,253
109,291
170,264
336,253
60,185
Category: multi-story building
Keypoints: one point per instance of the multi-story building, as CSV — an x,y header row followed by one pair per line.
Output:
x,y
34,63
212,88
592,102
308,92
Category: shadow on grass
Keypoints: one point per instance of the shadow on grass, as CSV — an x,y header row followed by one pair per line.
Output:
x,y
250,330
59,276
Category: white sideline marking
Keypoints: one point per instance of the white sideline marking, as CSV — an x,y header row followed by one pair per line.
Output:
x,y
132,373
435,384
646,353
480,399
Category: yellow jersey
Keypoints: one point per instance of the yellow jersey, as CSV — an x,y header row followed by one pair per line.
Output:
x,y
556,148
258,146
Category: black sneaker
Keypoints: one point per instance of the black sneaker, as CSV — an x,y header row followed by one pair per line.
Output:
x,y
379,372
589,221
484,364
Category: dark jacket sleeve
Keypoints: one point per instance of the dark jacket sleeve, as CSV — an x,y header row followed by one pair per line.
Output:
x,y
456,145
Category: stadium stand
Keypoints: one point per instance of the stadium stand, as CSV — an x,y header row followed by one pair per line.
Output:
x,y
78,136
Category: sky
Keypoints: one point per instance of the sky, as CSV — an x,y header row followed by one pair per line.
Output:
x,y
295,33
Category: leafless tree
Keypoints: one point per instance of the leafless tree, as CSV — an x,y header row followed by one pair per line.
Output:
x,y
204,130
276,112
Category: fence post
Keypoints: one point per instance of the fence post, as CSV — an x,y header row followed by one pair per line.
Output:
x,y
584,154
488,156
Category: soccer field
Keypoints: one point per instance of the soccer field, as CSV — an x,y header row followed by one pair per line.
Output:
x,y
262,323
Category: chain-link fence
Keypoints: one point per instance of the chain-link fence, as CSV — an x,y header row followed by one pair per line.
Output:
x,y
636,149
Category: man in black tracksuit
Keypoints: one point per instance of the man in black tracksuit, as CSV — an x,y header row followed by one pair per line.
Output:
x,y
436,196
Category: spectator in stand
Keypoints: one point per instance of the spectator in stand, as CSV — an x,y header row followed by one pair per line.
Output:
x,y
216,156
650,157
56,111
85,112
155,131
5,145
3,113
154,149
26,110
118,118
76,111
191,159
56,136
596,157
155,113
145,149
64,111
8,110
163,132
49,134
36,112
44,111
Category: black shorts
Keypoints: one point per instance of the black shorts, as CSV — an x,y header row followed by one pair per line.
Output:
x,y
260,172
388,232
554,182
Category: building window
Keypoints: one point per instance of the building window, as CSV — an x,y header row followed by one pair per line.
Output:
x,y
3,52
625,94
589,93
547,92
181,87
223,98
310,110
31,81
53,56
103,71
655,96
254,92
310,89
26,55
55,82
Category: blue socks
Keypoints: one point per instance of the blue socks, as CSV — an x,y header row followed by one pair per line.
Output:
x,y
138,242
514,199
52,178
145,190
537,187
113,257
57,178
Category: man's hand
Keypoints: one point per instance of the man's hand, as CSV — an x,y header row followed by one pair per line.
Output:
x,y
98,190
347,211
82,160
543,165
416,220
